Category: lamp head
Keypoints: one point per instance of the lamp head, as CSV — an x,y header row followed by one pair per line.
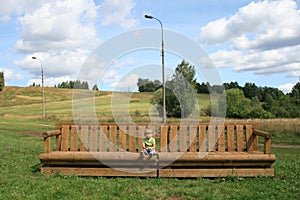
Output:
x,y
148,17
33,57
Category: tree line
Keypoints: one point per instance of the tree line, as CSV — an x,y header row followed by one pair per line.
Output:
x,y
73,85
248,101
1,81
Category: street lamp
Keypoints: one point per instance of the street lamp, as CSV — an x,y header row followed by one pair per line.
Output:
x,y
43,103
163,67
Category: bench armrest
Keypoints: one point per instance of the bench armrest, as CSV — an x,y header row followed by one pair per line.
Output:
x,y
51,133
47,142
267,141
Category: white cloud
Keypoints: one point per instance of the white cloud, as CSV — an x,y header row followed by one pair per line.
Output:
x,y
58,64
259,25
118,13
127,82
286,88
11,75
51,81
264,38
58,25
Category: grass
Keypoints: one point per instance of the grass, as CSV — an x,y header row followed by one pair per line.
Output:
x,y
20,178
20,116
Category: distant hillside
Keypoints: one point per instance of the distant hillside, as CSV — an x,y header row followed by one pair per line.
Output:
x,y
27,102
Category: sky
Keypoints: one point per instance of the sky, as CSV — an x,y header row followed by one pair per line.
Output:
x,y
247,41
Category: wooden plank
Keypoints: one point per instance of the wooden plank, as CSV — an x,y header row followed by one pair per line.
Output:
x,y
221,138
93,138
183,138
127,172
249,138
122,138
193,138
173,138
103,138
240,137
211,173
113,138
141,133
202,138
267,145
164,138
132,138
84,138
74,138
47,144
230,138
65,138
212,139
58,143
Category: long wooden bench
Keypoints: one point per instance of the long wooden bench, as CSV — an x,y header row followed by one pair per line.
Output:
x,y
184,150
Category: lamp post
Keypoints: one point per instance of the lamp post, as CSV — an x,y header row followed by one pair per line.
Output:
x,y
43,103
162,65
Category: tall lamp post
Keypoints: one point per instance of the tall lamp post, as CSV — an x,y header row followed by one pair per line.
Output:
x,y
163,67
43,103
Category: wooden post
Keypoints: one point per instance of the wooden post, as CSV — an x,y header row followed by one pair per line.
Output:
x,y
93,138
74,138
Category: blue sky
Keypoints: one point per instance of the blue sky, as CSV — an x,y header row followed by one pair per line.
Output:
x,y
247,41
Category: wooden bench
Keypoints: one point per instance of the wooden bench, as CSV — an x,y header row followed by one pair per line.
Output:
x,y
184,150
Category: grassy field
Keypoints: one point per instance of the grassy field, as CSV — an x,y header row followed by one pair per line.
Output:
x,y
20,124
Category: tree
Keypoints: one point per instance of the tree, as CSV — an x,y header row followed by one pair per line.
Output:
x,y
238,106
145,85
180,92
2,83
95,87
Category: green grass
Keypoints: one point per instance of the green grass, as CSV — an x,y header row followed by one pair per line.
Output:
x,y
20,178
20,115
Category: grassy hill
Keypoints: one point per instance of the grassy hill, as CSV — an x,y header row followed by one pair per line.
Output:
x,y
27,102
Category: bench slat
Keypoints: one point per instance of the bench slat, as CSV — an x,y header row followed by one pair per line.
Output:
x,y
103,138
183,138
132,139
84,138
164,138
93,138
240,137
74,138
202,138
122,138
212,140
193,138
113,138
221,138
173,138
65,138
230,137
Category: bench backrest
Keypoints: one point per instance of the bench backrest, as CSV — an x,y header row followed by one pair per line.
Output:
x,y
169,137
